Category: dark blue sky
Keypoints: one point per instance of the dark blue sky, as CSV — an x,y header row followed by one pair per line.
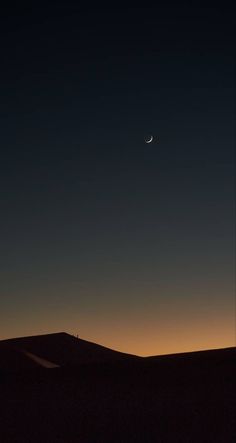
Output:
x,y
98,227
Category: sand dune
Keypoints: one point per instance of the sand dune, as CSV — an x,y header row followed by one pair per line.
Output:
x,y
112,397
60,349
41,361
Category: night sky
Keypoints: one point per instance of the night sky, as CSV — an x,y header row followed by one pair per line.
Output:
x,y
127,244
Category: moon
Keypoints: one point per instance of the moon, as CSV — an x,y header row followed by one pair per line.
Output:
x,y
149,139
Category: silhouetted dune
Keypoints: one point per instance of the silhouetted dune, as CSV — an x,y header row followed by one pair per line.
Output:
x,y
60,348
182,398
12,359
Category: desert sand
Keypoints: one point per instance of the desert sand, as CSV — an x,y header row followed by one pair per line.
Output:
x,y
88,393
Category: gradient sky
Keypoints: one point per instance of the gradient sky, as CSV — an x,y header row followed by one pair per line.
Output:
x,y
126,244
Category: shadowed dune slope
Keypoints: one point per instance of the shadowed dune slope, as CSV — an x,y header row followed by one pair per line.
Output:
x,y
114,397
62,349
12,359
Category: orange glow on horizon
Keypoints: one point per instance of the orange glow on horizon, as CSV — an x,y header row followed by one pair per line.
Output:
x,y
141,339
152,328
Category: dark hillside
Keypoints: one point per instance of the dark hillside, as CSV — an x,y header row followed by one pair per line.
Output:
x,y
175,398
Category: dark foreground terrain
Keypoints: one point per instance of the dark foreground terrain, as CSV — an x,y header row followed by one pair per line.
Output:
x,y
97,395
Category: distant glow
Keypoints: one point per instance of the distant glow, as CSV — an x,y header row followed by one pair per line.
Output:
x,y
143,332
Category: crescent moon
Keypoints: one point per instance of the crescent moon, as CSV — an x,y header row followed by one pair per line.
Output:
x,y
150,139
